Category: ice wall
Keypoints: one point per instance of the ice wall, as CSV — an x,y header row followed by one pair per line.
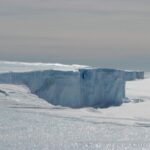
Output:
x,y
85,87
133,75
102,87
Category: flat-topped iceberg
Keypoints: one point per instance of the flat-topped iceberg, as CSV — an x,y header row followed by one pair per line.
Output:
x,y
73,86
86,87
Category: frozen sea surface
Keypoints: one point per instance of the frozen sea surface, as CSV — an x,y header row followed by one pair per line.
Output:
x,y
28,122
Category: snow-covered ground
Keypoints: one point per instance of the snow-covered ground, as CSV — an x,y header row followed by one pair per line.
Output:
x,y
28,122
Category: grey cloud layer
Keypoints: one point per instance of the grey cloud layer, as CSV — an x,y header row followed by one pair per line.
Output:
x,y
109,33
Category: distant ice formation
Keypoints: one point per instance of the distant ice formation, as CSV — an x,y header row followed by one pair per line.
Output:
x,y
132,75
73,86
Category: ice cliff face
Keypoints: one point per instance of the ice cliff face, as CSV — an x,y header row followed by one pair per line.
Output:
x,y
105,86
77,87
86,87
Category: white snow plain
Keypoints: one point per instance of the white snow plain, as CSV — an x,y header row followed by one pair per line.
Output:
x,y
28,122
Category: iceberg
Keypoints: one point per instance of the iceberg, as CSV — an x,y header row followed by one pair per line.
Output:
x,y
73,86
133,75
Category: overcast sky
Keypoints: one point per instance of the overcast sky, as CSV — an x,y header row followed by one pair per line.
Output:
x,y
105,33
